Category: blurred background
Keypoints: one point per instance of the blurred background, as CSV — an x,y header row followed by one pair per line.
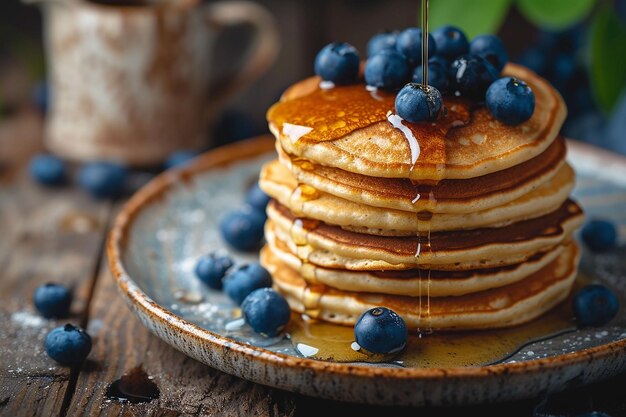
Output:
x,y
579,45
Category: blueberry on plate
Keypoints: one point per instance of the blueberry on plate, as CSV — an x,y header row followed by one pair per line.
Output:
x,y
243,228
491,48
387,69
48,170
471,75
266,311
52,300
381,330
595,305
212,267
257,198
451,42
510,100
338,62
68,345
103,179
599,235
409,44
381,41
437,76
179,158
418,103
241,282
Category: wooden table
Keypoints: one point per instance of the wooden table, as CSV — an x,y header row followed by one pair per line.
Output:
x,y
58,235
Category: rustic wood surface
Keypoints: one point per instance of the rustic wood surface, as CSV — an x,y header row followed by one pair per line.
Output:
x,y
57,235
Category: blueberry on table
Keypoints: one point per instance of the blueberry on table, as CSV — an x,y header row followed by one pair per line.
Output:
x,y
68,345
338,62
437,76
451,42
510,100
387,69
212,267
257,198
381,41
52,300
409,44
243,228
599,235
103,179
418,103
179,158
241,282
381,330
48,170
471,75
266,311
491,48
595,305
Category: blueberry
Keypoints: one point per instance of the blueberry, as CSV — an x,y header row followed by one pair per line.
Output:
x,y
510,100
491,48
338,62
103,179
41,96
451,42
266,311
211,268
53,300
595,305
439,60
68,345
417,103
48,170
257,198
535,59
179,158
599,235
381,41
381,330
388,69
243,228
409,44
471,75
241,282
437,76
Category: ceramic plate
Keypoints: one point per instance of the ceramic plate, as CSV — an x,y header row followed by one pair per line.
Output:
x,y
168,224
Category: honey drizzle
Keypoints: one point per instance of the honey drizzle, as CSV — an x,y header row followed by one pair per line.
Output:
x,y
301,227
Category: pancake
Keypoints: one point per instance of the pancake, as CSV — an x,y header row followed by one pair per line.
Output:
x,y
453,196
278,182
412,282
347,128
505,306
467,249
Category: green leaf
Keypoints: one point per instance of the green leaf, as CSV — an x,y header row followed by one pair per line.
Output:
x,y
608,64
555,14
474,17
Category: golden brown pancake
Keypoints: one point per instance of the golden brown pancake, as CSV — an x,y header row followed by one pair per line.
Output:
x,y
278,182
411,282
347,128
467,249
453,196
505,306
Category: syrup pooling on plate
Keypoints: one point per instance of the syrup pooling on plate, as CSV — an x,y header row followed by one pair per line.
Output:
x,y
332,342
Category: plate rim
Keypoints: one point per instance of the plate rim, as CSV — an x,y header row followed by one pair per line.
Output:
x,y
159,186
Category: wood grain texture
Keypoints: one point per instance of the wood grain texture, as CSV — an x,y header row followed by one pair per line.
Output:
x,y
187,387
45,236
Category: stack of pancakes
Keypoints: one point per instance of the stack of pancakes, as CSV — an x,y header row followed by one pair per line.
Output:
x,y
458,224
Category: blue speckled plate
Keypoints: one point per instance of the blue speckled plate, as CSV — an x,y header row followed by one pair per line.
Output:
x,y
174,219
